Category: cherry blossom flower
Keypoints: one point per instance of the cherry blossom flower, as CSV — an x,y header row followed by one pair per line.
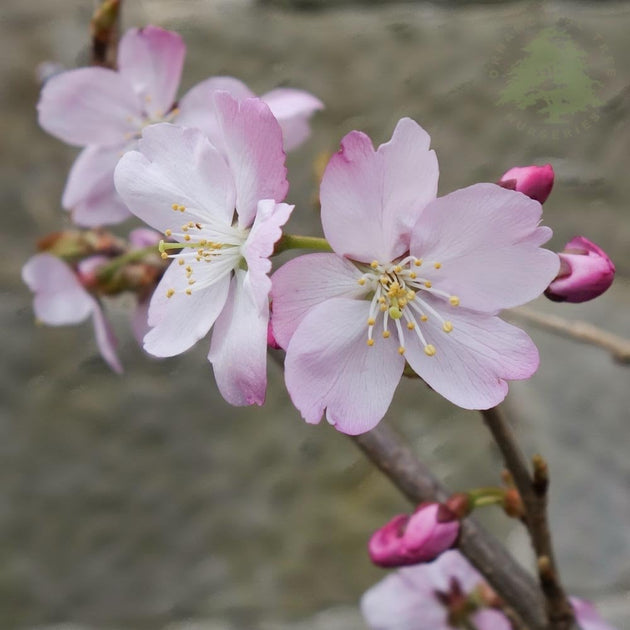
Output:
x,y
534,181
421,537
105,111
61,298
180,184
585,273
412,278
429,597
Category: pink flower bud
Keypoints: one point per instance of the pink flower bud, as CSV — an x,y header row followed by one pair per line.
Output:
x,y
421,537
534,181
585,272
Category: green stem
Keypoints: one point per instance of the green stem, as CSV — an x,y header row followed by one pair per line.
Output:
x,y
106,271
292,241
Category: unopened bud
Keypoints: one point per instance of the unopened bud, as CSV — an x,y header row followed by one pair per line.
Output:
x,y
459,504
586,272
421,537
513,504
534,181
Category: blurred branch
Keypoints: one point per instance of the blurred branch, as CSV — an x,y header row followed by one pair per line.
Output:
x,y
584,332
533,491
104,30
511,582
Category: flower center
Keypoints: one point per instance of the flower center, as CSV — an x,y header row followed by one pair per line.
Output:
x,y
205,249
397,290
149,119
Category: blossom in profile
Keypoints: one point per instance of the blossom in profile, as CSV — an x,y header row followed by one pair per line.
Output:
x,y
585,273
105,111
412,279
61,298
421,537
223,216
441,595
534,181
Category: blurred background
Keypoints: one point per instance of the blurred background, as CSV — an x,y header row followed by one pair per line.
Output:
x,y
145,501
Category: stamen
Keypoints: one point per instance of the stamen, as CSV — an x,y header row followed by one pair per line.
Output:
x,y
429,350
170,293
437,265
401,350
370,342
386,334
454,300
447,326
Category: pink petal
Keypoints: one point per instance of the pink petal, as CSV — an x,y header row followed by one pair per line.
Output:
x,y
473,361
143,237
238,351
89,106
106,340
486,239
175,165
292,109
60,298
489,619
370,200
330,366
197,108
587,616
90,193
140,320
253,146
303,283
151,60
180,321
258,247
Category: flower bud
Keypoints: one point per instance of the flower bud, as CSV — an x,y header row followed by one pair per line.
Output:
x,y
534,181
421,537
585,272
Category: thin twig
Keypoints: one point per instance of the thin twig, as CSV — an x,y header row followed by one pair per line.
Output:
x,y
511,582
104,29
619,347
533,491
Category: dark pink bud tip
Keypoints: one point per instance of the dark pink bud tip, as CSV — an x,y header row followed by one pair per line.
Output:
x,y
421,537
534,181
586,272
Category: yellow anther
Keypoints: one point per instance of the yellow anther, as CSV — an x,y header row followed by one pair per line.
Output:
x,y
181,208
180,261
428,284
175,206
386,334
447,326
382,300
397,268
454,300
370,342
164,255
383,308
437,265
188,268
411,295
423,318
361,281
191,282
384,280
168,232
371,321
374,264
417,262
402,302
401,350
429,350
187,237
191,224
413,275
411,325
188,291
170,293
203,242
184,228
394,312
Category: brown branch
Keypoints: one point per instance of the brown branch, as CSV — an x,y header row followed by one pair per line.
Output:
x,y
511,582
533,491
619,347
104,29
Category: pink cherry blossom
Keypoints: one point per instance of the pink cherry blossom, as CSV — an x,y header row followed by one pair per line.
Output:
x,y
105,111
412,278
179,183
587,616
585,273
421,537
61,298
534,181
413,598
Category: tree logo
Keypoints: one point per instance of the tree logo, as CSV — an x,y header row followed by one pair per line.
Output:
x,y
549,74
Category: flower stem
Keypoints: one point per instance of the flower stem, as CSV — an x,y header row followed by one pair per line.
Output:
x,y
107,271
533,492
293,241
